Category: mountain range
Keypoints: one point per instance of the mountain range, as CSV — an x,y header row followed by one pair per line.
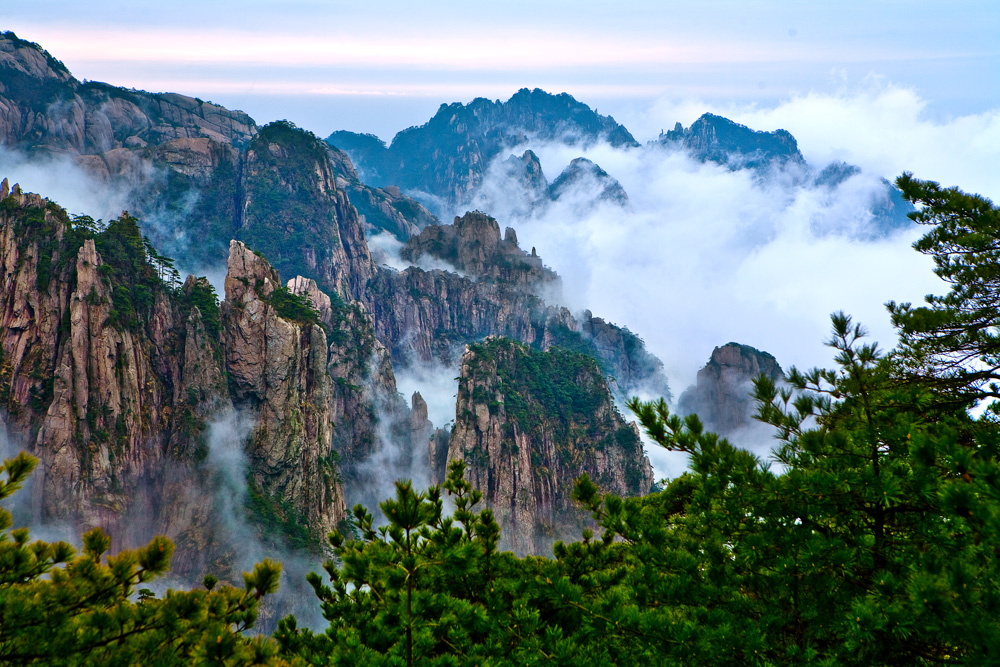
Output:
x,y
128,382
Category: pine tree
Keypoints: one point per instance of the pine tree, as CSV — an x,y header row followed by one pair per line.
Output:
x,y
58,607
953,342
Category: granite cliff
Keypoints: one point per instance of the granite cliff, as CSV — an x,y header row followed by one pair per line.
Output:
x,y
529,423
722,395
112,377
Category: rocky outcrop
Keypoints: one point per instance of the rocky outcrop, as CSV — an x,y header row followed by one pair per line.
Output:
x,y
474,247
722,396
528,424
112,378
277,370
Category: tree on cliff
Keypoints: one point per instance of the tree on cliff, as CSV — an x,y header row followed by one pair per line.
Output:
x,y
58,607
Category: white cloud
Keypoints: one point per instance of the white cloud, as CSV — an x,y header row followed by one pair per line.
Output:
x,y
703,256
882,127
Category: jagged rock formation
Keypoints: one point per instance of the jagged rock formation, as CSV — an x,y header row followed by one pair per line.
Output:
x,y
722,396
173,155
110,378
529,423
473,246
447,157
277,372
527,171
717,139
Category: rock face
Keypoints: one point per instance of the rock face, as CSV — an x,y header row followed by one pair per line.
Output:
x,y
277,371
293,212
43,106
529,423
721,397
447,157
111,379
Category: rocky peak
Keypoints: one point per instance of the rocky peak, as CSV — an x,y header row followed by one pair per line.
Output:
x,y
527,424
308,288
473,245
526,172
717,139
30,59
249,276
581,173
448,156
722,395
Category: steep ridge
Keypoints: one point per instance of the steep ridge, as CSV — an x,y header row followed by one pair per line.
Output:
x,y
43,106
293,212
447,157
721,396
529,423
717,139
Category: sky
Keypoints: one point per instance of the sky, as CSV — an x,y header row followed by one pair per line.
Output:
x,y
381,67
703,256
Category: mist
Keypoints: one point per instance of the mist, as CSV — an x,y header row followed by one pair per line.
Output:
x,y
702,255
229,468
438,385
63,180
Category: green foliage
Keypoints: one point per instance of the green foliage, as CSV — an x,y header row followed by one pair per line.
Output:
x,y
939,341
278,521
427,589
60,607
291,306
201,295
873,547
540,385
288,217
